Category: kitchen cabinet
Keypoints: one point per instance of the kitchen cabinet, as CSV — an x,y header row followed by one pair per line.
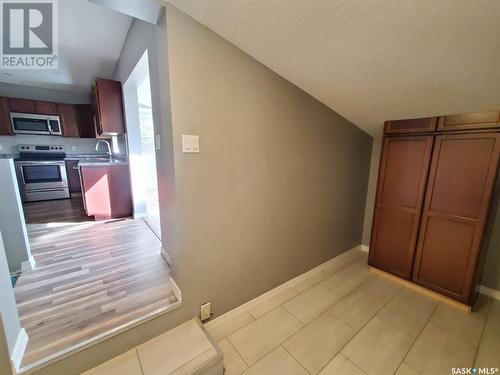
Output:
x,y
478,120
107,107
46,108
401,186
462,174
86,127
106,190
418,125
68,120
21,105
5,127
73,176
432,204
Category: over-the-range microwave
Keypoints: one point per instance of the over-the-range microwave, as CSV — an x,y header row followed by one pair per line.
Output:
x,y
31,123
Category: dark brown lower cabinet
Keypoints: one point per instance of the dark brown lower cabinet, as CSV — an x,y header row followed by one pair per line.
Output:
x,y
431,207
461,179
401,184
73,176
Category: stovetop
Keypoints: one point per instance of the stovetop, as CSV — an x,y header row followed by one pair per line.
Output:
x,y
41,152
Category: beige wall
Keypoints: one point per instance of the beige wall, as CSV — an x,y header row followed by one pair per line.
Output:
x,y
280,184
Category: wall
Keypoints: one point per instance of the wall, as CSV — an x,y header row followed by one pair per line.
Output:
x,y
12,223
8,308
9,143
38,93
280,184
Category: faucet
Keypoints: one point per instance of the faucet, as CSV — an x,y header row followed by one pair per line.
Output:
x,y
107,144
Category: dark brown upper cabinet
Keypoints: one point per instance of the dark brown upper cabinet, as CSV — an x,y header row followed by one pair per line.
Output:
x,y
21,105
468,121
46,108
5,127
68,119
461,179
107,107
86,127
419,125
403,172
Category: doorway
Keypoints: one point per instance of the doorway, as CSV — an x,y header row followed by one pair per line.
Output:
x,y
141,143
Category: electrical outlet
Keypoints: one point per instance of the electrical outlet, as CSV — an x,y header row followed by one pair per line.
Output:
x,y
205,311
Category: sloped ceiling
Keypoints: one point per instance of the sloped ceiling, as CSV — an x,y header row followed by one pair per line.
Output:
x,y
371,60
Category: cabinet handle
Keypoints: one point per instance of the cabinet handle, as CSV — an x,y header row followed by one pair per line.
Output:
x,y
75,167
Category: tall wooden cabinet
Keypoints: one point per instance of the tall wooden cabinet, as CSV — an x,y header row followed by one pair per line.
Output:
x,y
432,203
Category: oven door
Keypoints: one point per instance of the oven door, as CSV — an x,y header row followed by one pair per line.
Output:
x,y
37,175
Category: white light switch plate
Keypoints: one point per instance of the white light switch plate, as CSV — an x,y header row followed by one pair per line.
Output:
x,y
190,144
205,311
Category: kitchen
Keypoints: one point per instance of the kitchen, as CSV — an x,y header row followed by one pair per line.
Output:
x,y
68,168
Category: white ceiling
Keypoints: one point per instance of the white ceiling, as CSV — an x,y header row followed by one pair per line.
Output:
x,y
90,41
371,60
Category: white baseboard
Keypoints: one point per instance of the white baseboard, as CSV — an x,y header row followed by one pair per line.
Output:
x,y
29,264
495,294
365,248
19,348
176,290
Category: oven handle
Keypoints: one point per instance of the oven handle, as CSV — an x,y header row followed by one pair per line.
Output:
x,y
38,162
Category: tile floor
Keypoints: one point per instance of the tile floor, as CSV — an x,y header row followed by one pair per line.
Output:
x,y
342,319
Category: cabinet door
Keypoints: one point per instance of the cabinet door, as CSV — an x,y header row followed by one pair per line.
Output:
x,y
86,127
461,178
5,126
417,125
22,105
46,108
108,107
68,119
467,121
73,176
402,176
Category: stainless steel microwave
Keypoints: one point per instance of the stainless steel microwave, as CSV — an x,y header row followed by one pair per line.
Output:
x,y
30,123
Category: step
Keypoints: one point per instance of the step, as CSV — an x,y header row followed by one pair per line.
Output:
x,y
185,349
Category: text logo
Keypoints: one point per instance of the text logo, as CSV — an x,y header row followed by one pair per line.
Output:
x,y
29,34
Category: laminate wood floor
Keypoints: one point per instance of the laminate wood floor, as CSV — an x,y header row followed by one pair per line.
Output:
x,y
90,278
56,211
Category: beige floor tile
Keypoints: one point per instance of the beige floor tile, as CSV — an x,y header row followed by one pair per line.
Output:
x,y
271,300
359,306
311,303
197,365
489,350
278,362
340,365
404,369
125,364
378,348
233,363
319,341
347,279
437,351
310,280
257,339
225,325
343,260
466,326
173,349
408,311
493,322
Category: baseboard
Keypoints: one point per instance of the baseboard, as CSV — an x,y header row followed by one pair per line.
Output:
x,y
29,264
19,348
493,293
140,215
176,290
365,248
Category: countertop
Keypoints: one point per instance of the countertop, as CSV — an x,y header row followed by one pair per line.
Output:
x,y
90,163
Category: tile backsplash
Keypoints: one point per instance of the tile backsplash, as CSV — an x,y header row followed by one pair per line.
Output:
x,y
9,143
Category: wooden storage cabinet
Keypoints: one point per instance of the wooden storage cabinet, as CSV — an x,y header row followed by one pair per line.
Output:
x,y
73,176
432,203
468,121
68,120
86,128
21,105
5,127
402,177
46,108
463,171
107,107
418,125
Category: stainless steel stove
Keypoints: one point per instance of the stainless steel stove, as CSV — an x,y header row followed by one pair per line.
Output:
x,y
41,172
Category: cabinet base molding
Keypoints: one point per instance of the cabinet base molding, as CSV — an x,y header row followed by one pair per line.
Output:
x,y
493,293
422,290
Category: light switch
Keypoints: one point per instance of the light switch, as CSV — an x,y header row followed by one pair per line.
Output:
x,y
157,142
190,144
